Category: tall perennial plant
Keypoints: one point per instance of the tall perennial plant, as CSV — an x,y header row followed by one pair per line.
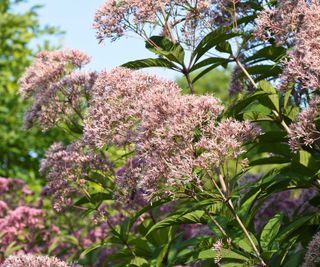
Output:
x,y
182,179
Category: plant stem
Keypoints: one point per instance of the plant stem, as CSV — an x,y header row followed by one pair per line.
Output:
x,y
216,223
167,25
223,185
282,122
246,72
190,84
231,207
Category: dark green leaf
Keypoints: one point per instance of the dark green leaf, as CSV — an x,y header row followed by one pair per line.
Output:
x,y
306,160
270,160
211,40
225,254
177,219
297,224
213,60
204,72
269,232
138,262
94,198
224,47
274,53
148,63
164,47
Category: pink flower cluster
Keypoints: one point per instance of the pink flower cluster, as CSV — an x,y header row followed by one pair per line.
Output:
x,y
67,168
17,221
30,260
224,141
20,223
304,60
118,98
182,20
296,24
13,185
280,22
58,91
169,134
27,228
304,130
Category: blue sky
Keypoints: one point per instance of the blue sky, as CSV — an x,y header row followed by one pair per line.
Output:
x,y
76,17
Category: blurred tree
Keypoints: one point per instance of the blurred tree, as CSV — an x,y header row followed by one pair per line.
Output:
x,y
215,82
21,36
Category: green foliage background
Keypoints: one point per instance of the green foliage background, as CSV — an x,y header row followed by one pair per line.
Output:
x,y
216,82
21,36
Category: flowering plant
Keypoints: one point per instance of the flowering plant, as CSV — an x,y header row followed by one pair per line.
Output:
x,y
191,181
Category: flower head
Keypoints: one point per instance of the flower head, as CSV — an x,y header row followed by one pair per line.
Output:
x,y
67,168
182,20
116,106
304,130
29,260
168,134
58,91
295,23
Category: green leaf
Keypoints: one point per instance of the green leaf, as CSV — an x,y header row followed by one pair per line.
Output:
x,y
243,103
138,262
141,246
149,62
234,264
274,53
273,97
276,148
164,47
273,137
125,229
256,112
212,60
296,225
256,116
264,71
281,255
94,198
269,232
294,260
91,248
162,255
291,112
177,219
307,160
287,97
273,182
204,72
247,205
270,160
123,256
211,40
224,47
225,254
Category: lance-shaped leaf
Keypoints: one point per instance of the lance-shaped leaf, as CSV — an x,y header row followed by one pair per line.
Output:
x,y
225,254
164,47
217,61
274,53
269,232
197,216
149,63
